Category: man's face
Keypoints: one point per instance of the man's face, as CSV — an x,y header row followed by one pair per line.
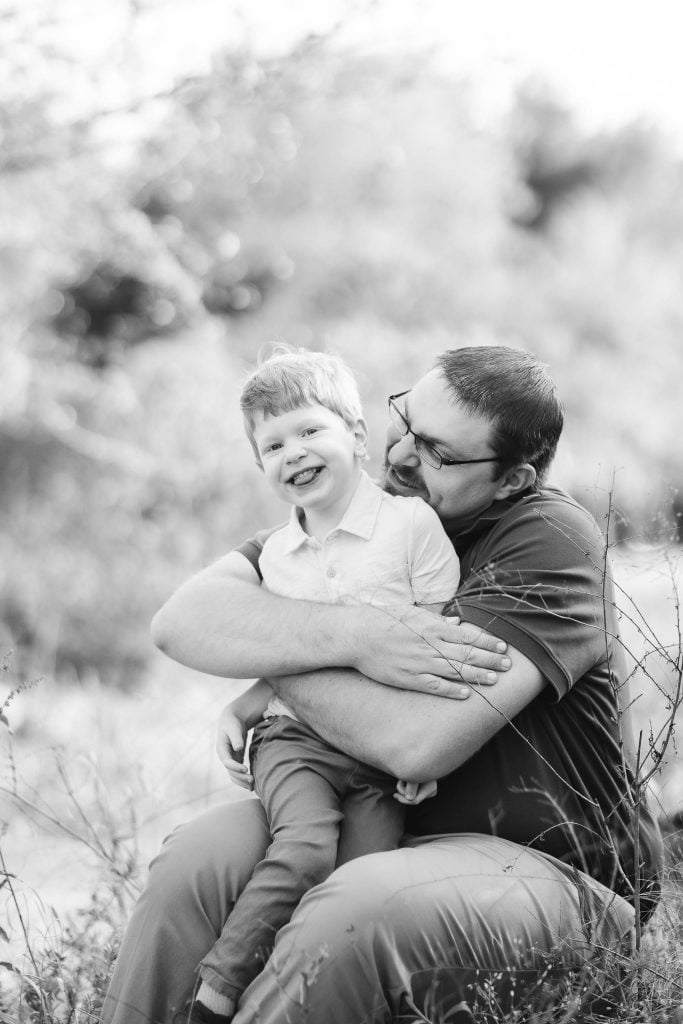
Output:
x,y
457,493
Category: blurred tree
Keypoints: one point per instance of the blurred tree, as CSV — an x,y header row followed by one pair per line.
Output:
x,y
73,460
607,307
327,199
555,162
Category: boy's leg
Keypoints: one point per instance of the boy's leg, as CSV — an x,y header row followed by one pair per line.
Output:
x,y
304,812
373,820
193,884
404,935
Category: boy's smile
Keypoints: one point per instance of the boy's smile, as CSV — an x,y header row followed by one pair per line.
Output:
x,y
305,476
312,459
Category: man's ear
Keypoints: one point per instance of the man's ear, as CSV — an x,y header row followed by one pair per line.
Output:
x,y
360,439
514,480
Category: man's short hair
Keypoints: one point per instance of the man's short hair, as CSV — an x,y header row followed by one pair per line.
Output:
x,y
292,378
515,392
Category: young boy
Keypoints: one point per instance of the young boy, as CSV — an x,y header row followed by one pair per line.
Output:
x,y
346,541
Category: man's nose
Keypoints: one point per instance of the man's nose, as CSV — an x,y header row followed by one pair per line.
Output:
x,y
401,448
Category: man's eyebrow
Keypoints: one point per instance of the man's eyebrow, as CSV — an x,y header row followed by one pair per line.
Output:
x,y
443,446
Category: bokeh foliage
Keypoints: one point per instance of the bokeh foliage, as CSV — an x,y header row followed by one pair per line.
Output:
x,y
326,199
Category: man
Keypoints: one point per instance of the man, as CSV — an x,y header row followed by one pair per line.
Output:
x,y
525,859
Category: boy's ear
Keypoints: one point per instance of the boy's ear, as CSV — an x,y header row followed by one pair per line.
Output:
x,y
360,439
515,480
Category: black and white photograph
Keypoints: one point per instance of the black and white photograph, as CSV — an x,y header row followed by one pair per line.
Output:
x,y
341,497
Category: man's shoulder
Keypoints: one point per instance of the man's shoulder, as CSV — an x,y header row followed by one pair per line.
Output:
x,y
552,506
550,522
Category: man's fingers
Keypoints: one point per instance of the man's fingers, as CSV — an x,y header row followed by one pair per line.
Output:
x,y
440,687
455,670
463,654
467,635
477,676
461,672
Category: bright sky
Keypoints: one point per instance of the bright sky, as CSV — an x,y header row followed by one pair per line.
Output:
x,y
613,60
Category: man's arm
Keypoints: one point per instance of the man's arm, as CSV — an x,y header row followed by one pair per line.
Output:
x,y
224,623
410,735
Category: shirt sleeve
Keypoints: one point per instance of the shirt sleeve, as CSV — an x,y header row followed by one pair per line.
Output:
x,y
433,565
253,546
541,582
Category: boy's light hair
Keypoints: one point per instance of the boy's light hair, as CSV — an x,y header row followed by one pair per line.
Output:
x,y
292,378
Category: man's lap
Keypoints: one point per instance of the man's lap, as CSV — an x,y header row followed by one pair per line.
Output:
x,y
459,903
385,933
490,885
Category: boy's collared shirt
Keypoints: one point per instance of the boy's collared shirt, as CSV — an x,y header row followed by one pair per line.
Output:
x,y
386,550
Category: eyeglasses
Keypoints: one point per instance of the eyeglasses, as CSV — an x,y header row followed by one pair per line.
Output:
x,y
425,449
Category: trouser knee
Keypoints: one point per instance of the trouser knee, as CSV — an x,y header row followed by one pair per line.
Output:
x,y
204,866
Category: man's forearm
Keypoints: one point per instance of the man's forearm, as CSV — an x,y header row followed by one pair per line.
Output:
x,y
223,622
243,631
372,722
410,735
325,699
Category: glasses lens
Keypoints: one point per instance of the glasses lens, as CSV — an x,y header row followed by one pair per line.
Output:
x,y
427,453
397,418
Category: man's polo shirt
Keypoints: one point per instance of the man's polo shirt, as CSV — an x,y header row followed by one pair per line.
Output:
x,y
386,550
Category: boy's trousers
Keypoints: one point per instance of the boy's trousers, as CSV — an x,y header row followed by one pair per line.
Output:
x,y
324,808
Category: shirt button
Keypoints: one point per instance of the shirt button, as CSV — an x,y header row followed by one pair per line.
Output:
x,y
331,571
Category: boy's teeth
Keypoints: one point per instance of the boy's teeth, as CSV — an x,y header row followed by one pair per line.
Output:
x,y
304,477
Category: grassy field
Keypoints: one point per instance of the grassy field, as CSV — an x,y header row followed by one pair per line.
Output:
x,y
92,779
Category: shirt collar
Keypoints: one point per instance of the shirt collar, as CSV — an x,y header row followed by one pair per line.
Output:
x,y
359,519
295,535
361,515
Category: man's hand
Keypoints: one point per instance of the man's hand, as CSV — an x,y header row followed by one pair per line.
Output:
x,y
412,793
417,650
231,736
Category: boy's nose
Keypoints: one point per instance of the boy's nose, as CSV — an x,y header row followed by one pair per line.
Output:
x,y
295,452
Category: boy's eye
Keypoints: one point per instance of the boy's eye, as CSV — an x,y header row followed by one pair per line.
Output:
x,y
273,447
309,430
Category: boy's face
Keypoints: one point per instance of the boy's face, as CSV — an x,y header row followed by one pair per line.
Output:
x,y
311,457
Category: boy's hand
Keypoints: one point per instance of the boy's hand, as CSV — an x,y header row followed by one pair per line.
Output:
x,y
231,737
412,793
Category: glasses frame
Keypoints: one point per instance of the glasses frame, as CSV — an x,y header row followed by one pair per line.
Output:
x,y
425,449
